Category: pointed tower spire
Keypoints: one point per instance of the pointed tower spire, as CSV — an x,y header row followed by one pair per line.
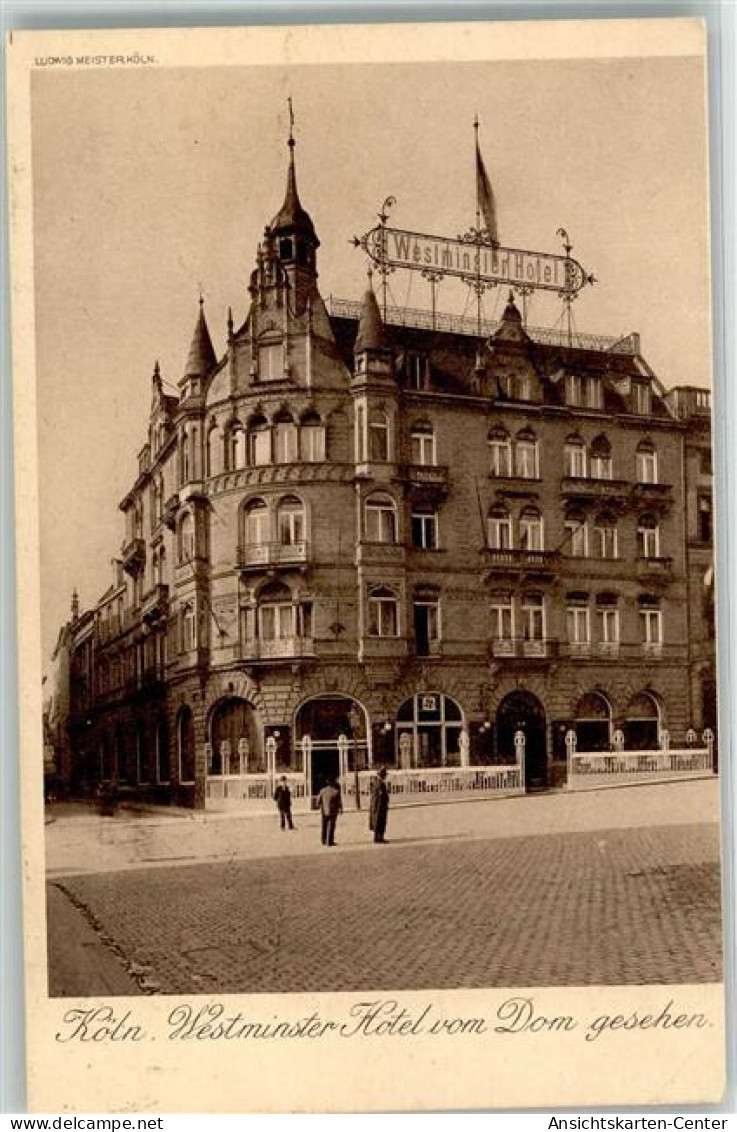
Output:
x,y
292,217
201,357
371,334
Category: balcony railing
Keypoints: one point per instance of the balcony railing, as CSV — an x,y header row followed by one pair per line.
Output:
x,y
133,553
654,568
427,476
379,552
514,648
460,324
265,554
533,561
653,493
286,648
580,487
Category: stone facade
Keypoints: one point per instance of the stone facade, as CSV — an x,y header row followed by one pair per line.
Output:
x,y
420,533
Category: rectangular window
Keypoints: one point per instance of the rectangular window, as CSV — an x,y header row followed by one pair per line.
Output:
x,y
313,444
575,461
500,454
648,542
594,393
574,389
425,530
380,524
578,625
705,522
605,538
285,443
608,626
647,467
277,622
531,533
577,540
259,447
427,627
379,439
499,533
423,448
383,619
533,621
526,460
271,362
652,628
502,620
642,398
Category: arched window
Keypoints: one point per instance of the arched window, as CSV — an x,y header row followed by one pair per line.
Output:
x,y
575,457
577,534
648,537
525,455
236,446
531,529
605,536
285,439
187,547
600,464
312,439
646,462
499,529
380,519
160,566
275,613
186,745
214,451
593,723
290,521
500,453
642,723
185,458
256,523
422,440
378,436
259,442
428,730
383,612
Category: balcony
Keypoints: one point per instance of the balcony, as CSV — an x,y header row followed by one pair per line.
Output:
x,y
658,496
268,555
133,553
655,569
155,603
427,480
537,563
286,648
519,649
379,553
581,490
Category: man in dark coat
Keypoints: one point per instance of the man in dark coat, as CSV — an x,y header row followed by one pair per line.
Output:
x,y
331,804
283,799
379,807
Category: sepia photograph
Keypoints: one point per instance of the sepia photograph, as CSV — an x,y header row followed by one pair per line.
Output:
x,y
375,528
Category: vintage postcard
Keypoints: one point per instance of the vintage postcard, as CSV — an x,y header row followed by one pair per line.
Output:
x,y
366,560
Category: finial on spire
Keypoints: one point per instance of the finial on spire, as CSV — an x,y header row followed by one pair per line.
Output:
x,y
291,142
157,369
75,604
230,322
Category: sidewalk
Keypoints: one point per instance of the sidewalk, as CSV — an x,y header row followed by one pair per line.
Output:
x,y
79,841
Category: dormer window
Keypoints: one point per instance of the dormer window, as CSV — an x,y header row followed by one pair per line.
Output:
x,y
417,369
642,398
286,248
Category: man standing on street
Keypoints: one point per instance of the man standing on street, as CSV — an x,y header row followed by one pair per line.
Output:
x,y
331,804
379,807
283,799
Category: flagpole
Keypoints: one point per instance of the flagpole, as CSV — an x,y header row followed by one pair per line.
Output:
x,y
478,229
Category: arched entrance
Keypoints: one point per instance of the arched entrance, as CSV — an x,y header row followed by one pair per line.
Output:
x,y
521,711
642,723
324,720
593,723
429,731
235,740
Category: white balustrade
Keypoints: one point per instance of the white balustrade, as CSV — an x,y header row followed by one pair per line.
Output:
x,y
587,769
430,782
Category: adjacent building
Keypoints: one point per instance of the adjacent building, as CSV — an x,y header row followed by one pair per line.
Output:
x,y
365,536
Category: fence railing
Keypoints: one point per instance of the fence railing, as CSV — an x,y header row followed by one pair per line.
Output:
x,y
429,783
252,788
587,769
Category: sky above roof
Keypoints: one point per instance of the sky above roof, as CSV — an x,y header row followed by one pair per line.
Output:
x,y
150,185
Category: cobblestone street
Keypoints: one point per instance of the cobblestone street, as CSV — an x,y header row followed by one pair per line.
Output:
x,y
634,904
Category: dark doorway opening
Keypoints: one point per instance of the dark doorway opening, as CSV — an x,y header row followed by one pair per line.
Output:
x,y
521,711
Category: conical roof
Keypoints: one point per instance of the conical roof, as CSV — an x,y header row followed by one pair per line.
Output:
x,y
201,357
292,217
371,334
